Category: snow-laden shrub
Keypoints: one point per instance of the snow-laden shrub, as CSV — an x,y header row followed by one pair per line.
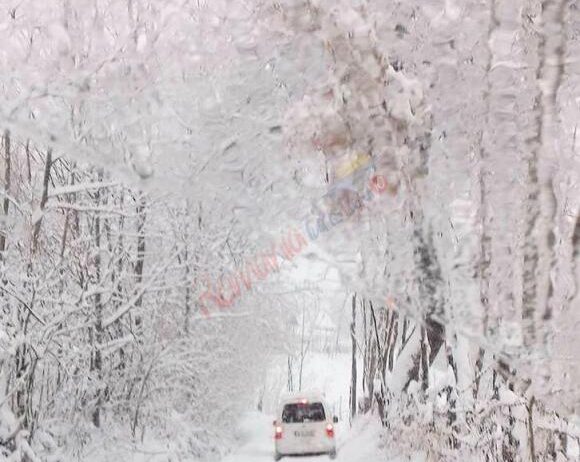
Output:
x,y
14,446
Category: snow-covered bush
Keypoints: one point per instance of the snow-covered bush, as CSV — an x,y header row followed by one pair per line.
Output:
x,y
14,446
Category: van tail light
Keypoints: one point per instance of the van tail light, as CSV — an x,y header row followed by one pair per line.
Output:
x,y
278,435
330,431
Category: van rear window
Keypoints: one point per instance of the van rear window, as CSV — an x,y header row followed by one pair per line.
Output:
x,y
303,412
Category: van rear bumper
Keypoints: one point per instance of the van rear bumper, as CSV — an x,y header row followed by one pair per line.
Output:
x,y
316,448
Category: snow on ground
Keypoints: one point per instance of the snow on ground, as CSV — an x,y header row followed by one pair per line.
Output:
x,y
359,444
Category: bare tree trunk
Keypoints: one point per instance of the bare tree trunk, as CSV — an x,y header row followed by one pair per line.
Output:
x,y
140,264
117,279
430,284
379,366
424,360
531,443
28,168
551,73
452,393
531,251
353,381
290,375
365,349
478,373
6,202
391,342
484,264
404,334
25,362
97,362
189,271
576,260
43,200
187,313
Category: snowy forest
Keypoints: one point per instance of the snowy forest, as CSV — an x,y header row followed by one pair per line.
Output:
x,y
208,203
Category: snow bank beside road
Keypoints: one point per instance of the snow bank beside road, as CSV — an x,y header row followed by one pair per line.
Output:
x,y
362,442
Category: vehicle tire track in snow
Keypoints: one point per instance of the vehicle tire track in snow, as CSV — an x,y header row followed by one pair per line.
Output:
x,y
361,444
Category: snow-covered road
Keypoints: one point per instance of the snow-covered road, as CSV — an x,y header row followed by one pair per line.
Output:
x,y
357,445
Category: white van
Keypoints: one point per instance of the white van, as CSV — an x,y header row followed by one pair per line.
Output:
x,y
304,426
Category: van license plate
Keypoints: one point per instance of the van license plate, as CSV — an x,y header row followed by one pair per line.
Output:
x,y
304,434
